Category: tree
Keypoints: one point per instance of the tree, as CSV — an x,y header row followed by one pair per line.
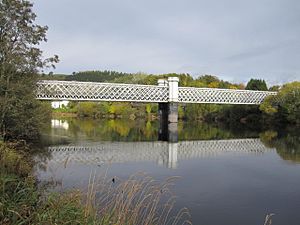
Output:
x,y
207,79
20,62
286,104
257,84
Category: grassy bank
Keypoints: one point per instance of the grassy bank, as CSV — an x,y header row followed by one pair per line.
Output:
x,y
22,203
138,200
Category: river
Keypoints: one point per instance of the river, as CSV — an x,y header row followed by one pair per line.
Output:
x,y
226,175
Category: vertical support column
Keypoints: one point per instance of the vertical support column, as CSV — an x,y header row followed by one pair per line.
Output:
x,y
173,99
172,155
173,89
173,109
168,112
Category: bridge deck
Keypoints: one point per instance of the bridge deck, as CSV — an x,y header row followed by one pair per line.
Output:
x,y
92,91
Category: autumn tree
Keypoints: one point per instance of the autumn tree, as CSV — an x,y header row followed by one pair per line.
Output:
x,y
20,62
285,105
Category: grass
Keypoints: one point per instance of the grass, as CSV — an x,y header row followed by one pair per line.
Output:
x,y
22,203
137,200
268,219
18,194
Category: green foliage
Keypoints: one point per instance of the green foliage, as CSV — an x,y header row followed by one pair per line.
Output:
x,y
234,114
52,77
14,161
148,108
17,191
87,109
207,79
103,109
286,142
64,208
267,106
257,84
181,112
137,78
203,131
274,88
286,105
18,199
20,61
200,111
96,76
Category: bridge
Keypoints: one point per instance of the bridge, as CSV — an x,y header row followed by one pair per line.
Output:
x,y
164,92
167,94
167,154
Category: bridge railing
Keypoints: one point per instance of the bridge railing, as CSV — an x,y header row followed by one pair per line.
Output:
x,y
166,91
222,96
92,91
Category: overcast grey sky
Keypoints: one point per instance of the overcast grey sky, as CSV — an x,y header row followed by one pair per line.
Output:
x,y
233,39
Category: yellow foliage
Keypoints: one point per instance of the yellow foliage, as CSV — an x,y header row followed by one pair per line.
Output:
x,y
213,84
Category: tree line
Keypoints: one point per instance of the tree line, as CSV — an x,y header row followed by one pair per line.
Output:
x,y
271,111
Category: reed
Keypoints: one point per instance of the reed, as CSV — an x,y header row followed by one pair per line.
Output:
x,y
268,219
138,200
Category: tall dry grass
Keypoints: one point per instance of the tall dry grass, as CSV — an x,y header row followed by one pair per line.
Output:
x,y
268,219
138,200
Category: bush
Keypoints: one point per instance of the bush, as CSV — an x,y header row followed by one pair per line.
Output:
x,y
285,105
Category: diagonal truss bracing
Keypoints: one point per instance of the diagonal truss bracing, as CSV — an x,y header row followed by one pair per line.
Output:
x,y
221,96
91,91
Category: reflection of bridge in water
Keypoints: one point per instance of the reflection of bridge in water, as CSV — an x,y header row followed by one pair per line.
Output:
x,y
162,152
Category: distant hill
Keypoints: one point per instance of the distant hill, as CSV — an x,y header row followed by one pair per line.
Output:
x,y
96,76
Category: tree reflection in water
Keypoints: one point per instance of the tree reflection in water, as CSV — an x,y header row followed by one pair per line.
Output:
x,y
286,142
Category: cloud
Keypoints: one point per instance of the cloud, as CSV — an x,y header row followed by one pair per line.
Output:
x,y
233,39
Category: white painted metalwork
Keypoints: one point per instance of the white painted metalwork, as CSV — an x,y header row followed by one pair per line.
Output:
x,y
92,91
173,89
164,153
222,96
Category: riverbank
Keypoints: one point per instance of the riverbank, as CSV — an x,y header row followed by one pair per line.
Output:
x,y
21,202
107,111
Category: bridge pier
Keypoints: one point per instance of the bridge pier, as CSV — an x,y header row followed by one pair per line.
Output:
x,y
168,112
172,155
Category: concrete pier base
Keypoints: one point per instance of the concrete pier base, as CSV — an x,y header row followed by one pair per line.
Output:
x,y
168,122
173,112
173,132
163,121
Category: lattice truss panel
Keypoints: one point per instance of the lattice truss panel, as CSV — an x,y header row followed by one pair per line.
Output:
x,y
91,91
221,96
108,152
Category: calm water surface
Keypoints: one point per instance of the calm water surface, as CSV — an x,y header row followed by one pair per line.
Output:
x,y
227,176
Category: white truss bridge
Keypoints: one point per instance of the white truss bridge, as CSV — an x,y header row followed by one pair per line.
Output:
x,y
163,153
162,93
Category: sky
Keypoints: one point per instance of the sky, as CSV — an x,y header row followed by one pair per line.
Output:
x,y
233,39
